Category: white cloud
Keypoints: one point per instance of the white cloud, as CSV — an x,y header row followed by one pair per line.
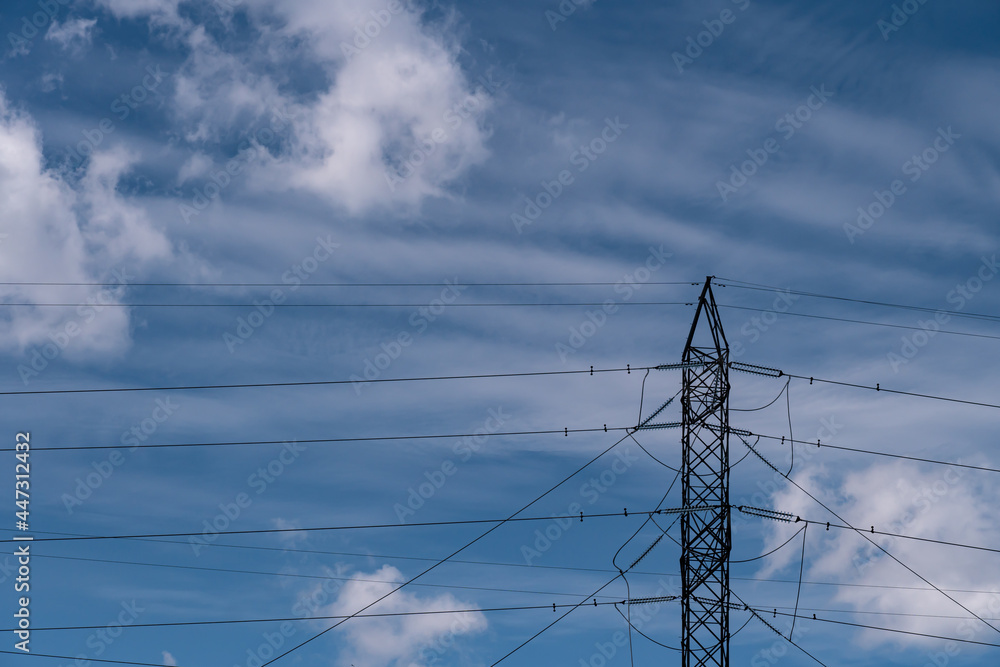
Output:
x,y
397,640
169,659
164,10
946,504
195,167
75,34
51,81
61,233
396,86
216,91
397,98
390,107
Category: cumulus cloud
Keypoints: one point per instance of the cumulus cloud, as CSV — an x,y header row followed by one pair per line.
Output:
x,y
946,504
400,121
215,91
160,10
395,121
58,232
75,34
398,641
196,166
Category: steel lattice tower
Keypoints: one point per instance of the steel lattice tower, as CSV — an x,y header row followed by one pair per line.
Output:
x,y
706,536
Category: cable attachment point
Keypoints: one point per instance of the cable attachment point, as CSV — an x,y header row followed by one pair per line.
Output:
x,y
591,369
566,432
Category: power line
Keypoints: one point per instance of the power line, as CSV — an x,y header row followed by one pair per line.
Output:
x,y
883,613
568,612
643,634
873,542
896,630
460,522
449,556
777,548
819,444
532,566
878,387
386,556
564,431
851,321
311,284
755,369
348,305
767,288
295,619
300,576
558,431
75,658
591,371
872,531
760,618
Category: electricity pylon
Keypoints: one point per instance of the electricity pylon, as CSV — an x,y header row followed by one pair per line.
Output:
x,y
706,536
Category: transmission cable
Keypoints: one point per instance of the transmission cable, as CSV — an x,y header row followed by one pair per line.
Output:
x,y
73,659
310,284
312,441
299,576
632,627
775,630
802,565
773,372
896,630
875,544
876,324
777,548
819,444
767,288
299,619
591,371
457,522
449,556
767,405
510,304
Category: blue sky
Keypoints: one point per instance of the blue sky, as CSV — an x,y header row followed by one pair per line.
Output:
x,y
847,150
